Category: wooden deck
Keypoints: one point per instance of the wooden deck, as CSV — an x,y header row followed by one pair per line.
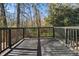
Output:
x,y
49,47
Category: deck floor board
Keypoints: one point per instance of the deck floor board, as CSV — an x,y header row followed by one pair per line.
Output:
x,y
49,47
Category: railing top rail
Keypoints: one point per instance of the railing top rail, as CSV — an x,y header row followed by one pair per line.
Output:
x,y
72,27
23,27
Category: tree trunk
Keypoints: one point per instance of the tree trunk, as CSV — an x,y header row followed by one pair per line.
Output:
x,y
4,24
30,15
18,15
37,16
3,15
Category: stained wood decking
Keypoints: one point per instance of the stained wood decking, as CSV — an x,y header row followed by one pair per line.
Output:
x,y
49,47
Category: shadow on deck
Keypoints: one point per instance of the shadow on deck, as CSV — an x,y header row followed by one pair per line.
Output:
x,y
49,47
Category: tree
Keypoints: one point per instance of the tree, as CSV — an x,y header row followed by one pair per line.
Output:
x,y
3,20
18,15
3,15
58,14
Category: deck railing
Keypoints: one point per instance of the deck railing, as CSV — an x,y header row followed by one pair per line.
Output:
x,y
10,36
69,35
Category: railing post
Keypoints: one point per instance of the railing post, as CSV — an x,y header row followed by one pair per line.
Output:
x,y
76,30
70,37
73,37
39,43
76,39
9,38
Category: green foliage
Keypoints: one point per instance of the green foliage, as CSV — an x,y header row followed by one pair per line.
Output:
x,y
1,24
62,15
66,22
